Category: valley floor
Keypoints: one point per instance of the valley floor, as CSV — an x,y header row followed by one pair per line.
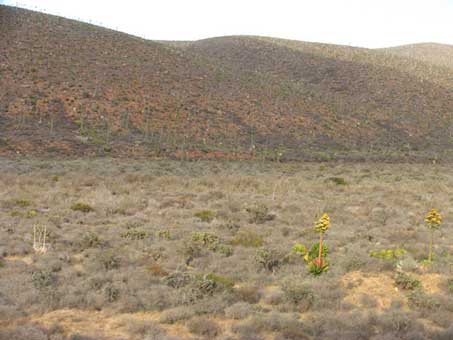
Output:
x,y
204,250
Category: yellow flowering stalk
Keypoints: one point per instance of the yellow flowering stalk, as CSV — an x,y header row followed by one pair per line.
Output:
x,y
433,220
321,227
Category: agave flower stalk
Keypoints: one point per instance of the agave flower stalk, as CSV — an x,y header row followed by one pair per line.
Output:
x,y
433,220
321,227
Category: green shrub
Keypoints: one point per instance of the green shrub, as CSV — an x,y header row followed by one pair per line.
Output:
x,y
164,234
298,294
31,213
191,250
223,250
109,260
90,240
22,203
83,207
406,281
111,293
314,251
43,279
134,234
269,259
337,180
231,226
177,279
311,258
206,285
222,281
205,215
198,287
316,269
259,214
388,254
212,242
247,239
300,249
205,238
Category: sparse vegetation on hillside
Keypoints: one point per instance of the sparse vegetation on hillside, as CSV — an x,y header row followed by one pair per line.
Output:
x,y
101,92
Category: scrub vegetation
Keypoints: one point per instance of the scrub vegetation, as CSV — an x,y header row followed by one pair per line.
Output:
x,y
187,250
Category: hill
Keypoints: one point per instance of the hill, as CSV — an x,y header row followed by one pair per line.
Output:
x,y
435,54
70,88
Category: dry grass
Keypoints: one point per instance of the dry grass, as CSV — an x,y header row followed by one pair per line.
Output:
x,y
96,282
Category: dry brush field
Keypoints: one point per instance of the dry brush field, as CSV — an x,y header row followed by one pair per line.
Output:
x,y
205,250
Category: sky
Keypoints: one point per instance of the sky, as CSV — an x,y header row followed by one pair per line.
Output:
x,y
364,23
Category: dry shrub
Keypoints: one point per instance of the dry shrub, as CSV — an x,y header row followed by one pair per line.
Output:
x,y
204,327
249,294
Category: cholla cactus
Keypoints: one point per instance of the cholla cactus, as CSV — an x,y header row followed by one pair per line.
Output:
x,y
433,221
321,227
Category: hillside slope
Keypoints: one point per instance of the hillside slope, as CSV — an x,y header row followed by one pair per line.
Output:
x,y
435,54
76,89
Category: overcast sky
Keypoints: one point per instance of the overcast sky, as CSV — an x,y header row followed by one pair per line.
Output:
x,y
366,23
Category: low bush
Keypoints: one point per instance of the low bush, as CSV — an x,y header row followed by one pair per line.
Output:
x,y
134,234
210,283
43,279
299,294
388,254
22,203
164,234
222,282
249,294
247,239
205,238
223,249
177,279
269,259
204,327
337,180
259,214
422,301
239,310
83,207
205,215
230,226
90,240
109,260
406,281
112,293
176,314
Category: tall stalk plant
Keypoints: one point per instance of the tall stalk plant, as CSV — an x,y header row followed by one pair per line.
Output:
x,y
321,226
433,221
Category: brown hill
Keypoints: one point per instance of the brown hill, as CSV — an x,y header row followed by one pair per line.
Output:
x,y
76,89
435,54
